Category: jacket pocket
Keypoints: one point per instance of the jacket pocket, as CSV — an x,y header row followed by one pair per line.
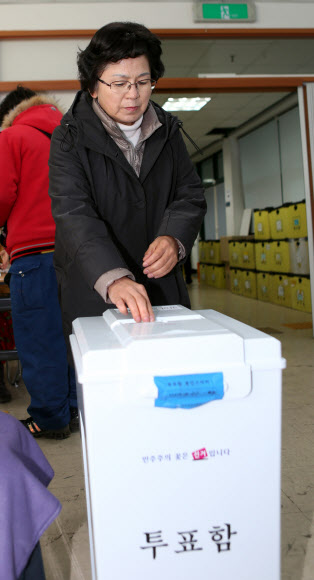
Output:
x,y
26,285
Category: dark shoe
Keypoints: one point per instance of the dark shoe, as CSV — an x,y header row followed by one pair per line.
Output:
x,y
74,421
34,430
5,395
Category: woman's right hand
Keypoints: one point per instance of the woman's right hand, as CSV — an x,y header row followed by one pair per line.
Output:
x,y
125,293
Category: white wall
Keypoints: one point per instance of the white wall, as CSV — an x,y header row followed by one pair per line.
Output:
x,y
292,171
234,201
260,165
272,163
59,15
213,230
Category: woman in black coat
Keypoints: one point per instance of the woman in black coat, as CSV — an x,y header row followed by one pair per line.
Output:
x,y
126,199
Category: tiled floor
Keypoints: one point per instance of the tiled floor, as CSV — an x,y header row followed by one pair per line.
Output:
x,y
65,544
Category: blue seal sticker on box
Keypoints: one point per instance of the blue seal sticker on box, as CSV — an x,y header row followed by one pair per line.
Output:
x,y
188,391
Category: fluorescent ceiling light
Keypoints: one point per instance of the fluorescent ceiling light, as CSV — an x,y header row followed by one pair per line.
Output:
x,y
185,104
217,75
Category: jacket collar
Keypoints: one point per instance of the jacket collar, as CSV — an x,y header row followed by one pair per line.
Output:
x,y
87,127
150,124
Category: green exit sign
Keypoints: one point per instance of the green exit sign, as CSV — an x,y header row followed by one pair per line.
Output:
x,y
233,11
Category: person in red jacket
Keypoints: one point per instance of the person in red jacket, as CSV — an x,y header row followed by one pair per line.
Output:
x,y
27,121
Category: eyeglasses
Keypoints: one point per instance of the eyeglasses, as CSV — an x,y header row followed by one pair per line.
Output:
x,y
125,86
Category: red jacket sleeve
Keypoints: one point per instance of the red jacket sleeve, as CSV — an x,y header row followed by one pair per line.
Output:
x,y
10,162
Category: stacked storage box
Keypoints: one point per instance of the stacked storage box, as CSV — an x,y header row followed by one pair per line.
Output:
x,y
242,266
299,256
236,280
280,291
297,227
234,253
249,284
301,293
211,269
202,274
212,252
263,256
281,253
272,265
261,224
279,256
216,275
263,283
278,221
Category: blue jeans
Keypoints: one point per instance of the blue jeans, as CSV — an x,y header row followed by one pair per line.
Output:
x,y
40,341
35,567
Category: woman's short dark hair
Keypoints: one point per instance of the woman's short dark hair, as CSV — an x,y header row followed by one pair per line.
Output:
x,y
114,42
13,99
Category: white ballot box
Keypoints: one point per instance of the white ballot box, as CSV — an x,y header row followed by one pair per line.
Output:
x,y
181,428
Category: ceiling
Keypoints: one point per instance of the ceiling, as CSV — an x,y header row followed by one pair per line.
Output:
x,y
225,110
194,57
254,56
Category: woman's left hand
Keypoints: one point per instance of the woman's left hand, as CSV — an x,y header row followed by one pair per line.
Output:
x,y
160,257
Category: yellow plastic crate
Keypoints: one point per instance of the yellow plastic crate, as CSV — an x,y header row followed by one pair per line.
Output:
x,y
263,286
249,284
263,256
297,226
280,256
299,256
208,270
281,290
261,225
236,281
201,251
301,293
206,251
279,222
234,254
202,269
247,255
216,276
213,251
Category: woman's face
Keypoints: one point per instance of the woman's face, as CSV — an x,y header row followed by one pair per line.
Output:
x,y
125,108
